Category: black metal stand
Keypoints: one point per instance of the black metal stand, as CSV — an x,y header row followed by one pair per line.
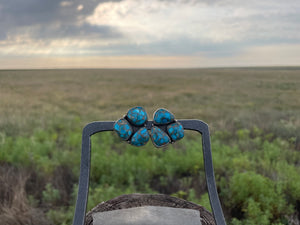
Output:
x,y
96,127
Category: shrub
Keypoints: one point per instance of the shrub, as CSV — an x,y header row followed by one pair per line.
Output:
x,y
257,199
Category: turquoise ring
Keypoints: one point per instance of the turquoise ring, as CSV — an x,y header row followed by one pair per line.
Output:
x,y
132,128
164,130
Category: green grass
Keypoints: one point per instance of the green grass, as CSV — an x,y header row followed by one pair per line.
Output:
x,y
222,97
253,113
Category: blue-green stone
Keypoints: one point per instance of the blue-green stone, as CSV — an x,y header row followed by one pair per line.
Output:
x,y
140,138
163,116
176,131
137,116
159,137
123,128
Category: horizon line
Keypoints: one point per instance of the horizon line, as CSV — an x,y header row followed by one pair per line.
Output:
x,y
154,68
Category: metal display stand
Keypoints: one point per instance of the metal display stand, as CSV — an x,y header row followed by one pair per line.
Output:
x,y
96,127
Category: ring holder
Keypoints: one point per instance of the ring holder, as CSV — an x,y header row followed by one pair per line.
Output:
x,y
132,123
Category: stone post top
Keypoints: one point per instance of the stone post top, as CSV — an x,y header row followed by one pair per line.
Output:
x,y
148,215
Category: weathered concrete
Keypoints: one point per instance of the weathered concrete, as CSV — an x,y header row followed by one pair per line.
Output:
x,y
148,215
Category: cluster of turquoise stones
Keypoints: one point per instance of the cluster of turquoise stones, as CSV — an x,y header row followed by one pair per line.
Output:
x,y
175,131
137,117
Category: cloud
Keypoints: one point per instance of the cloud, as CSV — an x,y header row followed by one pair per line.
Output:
x,y
48,19
216,29
80,7
66,3
143,21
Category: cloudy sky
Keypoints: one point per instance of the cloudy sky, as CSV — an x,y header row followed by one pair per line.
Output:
x,y
148,33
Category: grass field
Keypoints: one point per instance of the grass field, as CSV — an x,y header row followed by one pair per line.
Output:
x,y
253,113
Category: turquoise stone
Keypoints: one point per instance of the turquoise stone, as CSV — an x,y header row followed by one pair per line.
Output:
x,y
140,138
163,116
176,131
159,137
137,116
123,128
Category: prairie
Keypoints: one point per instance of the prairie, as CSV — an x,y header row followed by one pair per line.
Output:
x,y
253,115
